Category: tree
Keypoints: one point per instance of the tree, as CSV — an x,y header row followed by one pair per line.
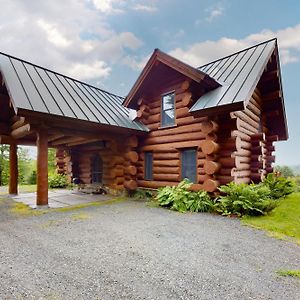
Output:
x,y
4,159
284,171
51,160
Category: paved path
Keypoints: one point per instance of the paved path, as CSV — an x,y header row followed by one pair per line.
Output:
x,y
131,251
60,198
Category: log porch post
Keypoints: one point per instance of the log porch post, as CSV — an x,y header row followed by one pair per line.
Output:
x,y
42,167
13,169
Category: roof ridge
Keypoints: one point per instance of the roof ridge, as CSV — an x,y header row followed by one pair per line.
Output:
x,y
245,49
57,73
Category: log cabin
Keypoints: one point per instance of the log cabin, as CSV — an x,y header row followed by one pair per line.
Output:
x,y
212,124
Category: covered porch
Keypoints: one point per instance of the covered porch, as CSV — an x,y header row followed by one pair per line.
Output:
x,y
94,137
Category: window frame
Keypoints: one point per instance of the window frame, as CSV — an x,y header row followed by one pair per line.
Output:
x,y
182,166
162,110
148,164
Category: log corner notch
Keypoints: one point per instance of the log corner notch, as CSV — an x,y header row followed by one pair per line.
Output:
x,y
131,158
42,167
210,149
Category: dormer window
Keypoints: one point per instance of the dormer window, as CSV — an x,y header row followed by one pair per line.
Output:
x,y
168,110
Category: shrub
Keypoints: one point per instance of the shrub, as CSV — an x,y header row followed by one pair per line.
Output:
x,y
142,194
279,186
244,199
32,178
57,181
181,199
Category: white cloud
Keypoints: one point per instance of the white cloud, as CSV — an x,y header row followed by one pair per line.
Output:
x,y
200,53
69,36
53,35
135,63
108,6
214,12
89,71
145,8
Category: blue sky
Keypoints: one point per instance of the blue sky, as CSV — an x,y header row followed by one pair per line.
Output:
x,y
107,42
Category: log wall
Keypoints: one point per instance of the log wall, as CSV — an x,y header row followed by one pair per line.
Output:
x,y
119,158
166,143
246,145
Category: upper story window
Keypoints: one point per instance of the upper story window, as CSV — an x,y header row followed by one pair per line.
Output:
x,y
168,110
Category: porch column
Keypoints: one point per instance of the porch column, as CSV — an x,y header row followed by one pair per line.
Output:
x,y
42,167
13,169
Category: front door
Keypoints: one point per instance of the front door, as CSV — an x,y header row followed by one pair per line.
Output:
x,y
97,169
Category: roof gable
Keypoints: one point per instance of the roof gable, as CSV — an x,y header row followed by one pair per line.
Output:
x,y
175,64
37,89
239,74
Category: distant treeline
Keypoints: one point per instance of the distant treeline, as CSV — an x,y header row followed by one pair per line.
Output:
x,y
26,165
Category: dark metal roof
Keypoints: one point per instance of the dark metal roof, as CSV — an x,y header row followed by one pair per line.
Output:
x,y
34,88
238,74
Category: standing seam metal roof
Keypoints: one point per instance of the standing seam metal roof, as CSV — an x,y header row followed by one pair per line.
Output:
x,y
34,88
238,74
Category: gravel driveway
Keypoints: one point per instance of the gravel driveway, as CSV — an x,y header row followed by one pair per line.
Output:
x,y
129,250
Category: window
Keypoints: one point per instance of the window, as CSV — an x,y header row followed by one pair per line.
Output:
x,y
97,169
148,165
168,110
189,164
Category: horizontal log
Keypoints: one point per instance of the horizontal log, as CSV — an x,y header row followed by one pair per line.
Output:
x,y
242,180
242,135
132,141
155,184
130,185
209,147
270,158
271,138
226,172
165,170
225,179
20,122
227,162
131,170
174,138
167,163
66,140
117,172
211,167
175,145
166,177
132,156
210,185
177,130
187,99
20,132
209,127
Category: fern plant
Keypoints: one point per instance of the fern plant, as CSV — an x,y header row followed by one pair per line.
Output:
x,y
181,199
243,199
279,186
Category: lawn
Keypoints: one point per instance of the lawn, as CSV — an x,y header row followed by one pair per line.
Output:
x,y
283,221
28,188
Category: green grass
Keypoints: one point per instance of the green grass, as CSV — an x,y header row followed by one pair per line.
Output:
x,y
26,188
283,222
289,273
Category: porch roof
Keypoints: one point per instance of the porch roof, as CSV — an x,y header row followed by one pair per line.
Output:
x,y
37,89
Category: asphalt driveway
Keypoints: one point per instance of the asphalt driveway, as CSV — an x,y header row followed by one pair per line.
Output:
x,y
129,250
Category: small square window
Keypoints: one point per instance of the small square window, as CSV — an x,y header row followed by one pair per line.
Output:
x,y
168,110
189,164
148,166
